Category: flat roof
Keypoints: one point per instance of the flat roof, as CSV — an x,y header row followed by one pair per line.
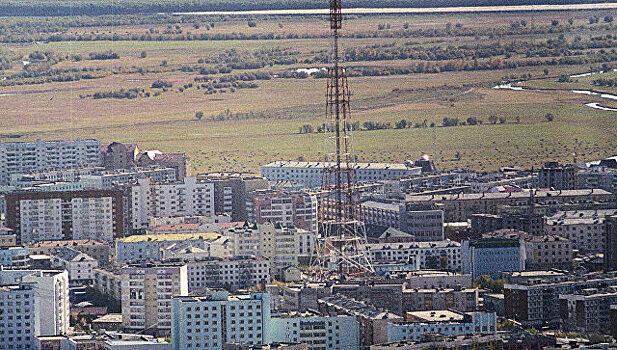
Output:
x,y
320,165
436,315
170,237
503,195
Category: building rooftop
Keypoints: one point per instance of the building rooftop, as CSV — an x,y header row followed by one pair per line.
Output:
x,y
500,195
321,165
69,254
170,237
417,245
69,243
434,316
109,318
381,205
358,308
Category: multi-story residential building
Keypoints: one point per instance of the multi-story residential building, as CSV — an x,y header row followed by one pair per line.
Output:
x,y
23,157
151,247
230,192
214,319
188,197
437,279
420,255
558,177
50,298
459,299
100,251
105,180
598,177
420,323
529,222
424,223
14,256
461,206
108,282
79,265
535,302
34,178
147,292
309,173
587,311
281,245
17,307
610,249
179,161
317,332
231,273
287,208
492,256
7,237
119,156
90,214
541,252
584,228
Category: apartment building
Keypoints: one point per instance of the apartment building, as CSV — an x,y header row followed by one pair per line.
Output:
x,y
283,246
24,157
209,321
187,197
50,298
558,177
423,222
317,332
14,256
178,161
108,282
458,299
105,180
147,292
419,255
231,273
286,208
535,301
584,228
230,192
42,216
100,251
152,247
310,173
461,207
79,265
587,311
17,310
492,256
437,279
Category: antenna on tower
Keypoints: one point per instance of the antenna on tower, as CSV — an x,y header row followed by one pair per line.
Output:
x,y
341,233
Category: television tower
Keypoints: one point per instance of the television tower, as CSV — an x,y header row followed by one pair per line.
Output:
x,y
341,233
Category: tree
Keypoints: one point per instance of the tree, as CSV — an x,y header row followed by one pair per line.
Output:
x,y
402,124
472,120
457,156
502,120
485,282
608,19
571,21
549,117
252,24
554,23
144,54
199,115
546,71
306,129
492,119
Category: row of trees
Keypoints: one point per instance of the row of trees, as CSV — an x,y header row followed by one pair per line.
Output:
x,y
404,124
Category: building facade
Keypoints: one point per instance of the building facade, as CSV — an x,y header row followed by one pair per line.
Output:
x,y
41,216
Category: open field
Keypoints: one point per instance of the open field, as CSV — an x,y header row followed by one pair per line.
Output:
x,y
282,104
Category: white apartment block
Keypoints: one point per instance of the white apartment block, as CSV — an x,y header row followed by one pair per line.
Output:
x,y
287,208
80,266
310,173
281,245
422,255
235,273
25,157
189,197
41,216
208,322
147,292
50,301
317,332
448,323
153,247
17,317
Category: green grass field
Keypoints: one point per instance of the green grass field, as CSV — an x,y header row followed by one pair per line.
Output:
x,y
166,122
